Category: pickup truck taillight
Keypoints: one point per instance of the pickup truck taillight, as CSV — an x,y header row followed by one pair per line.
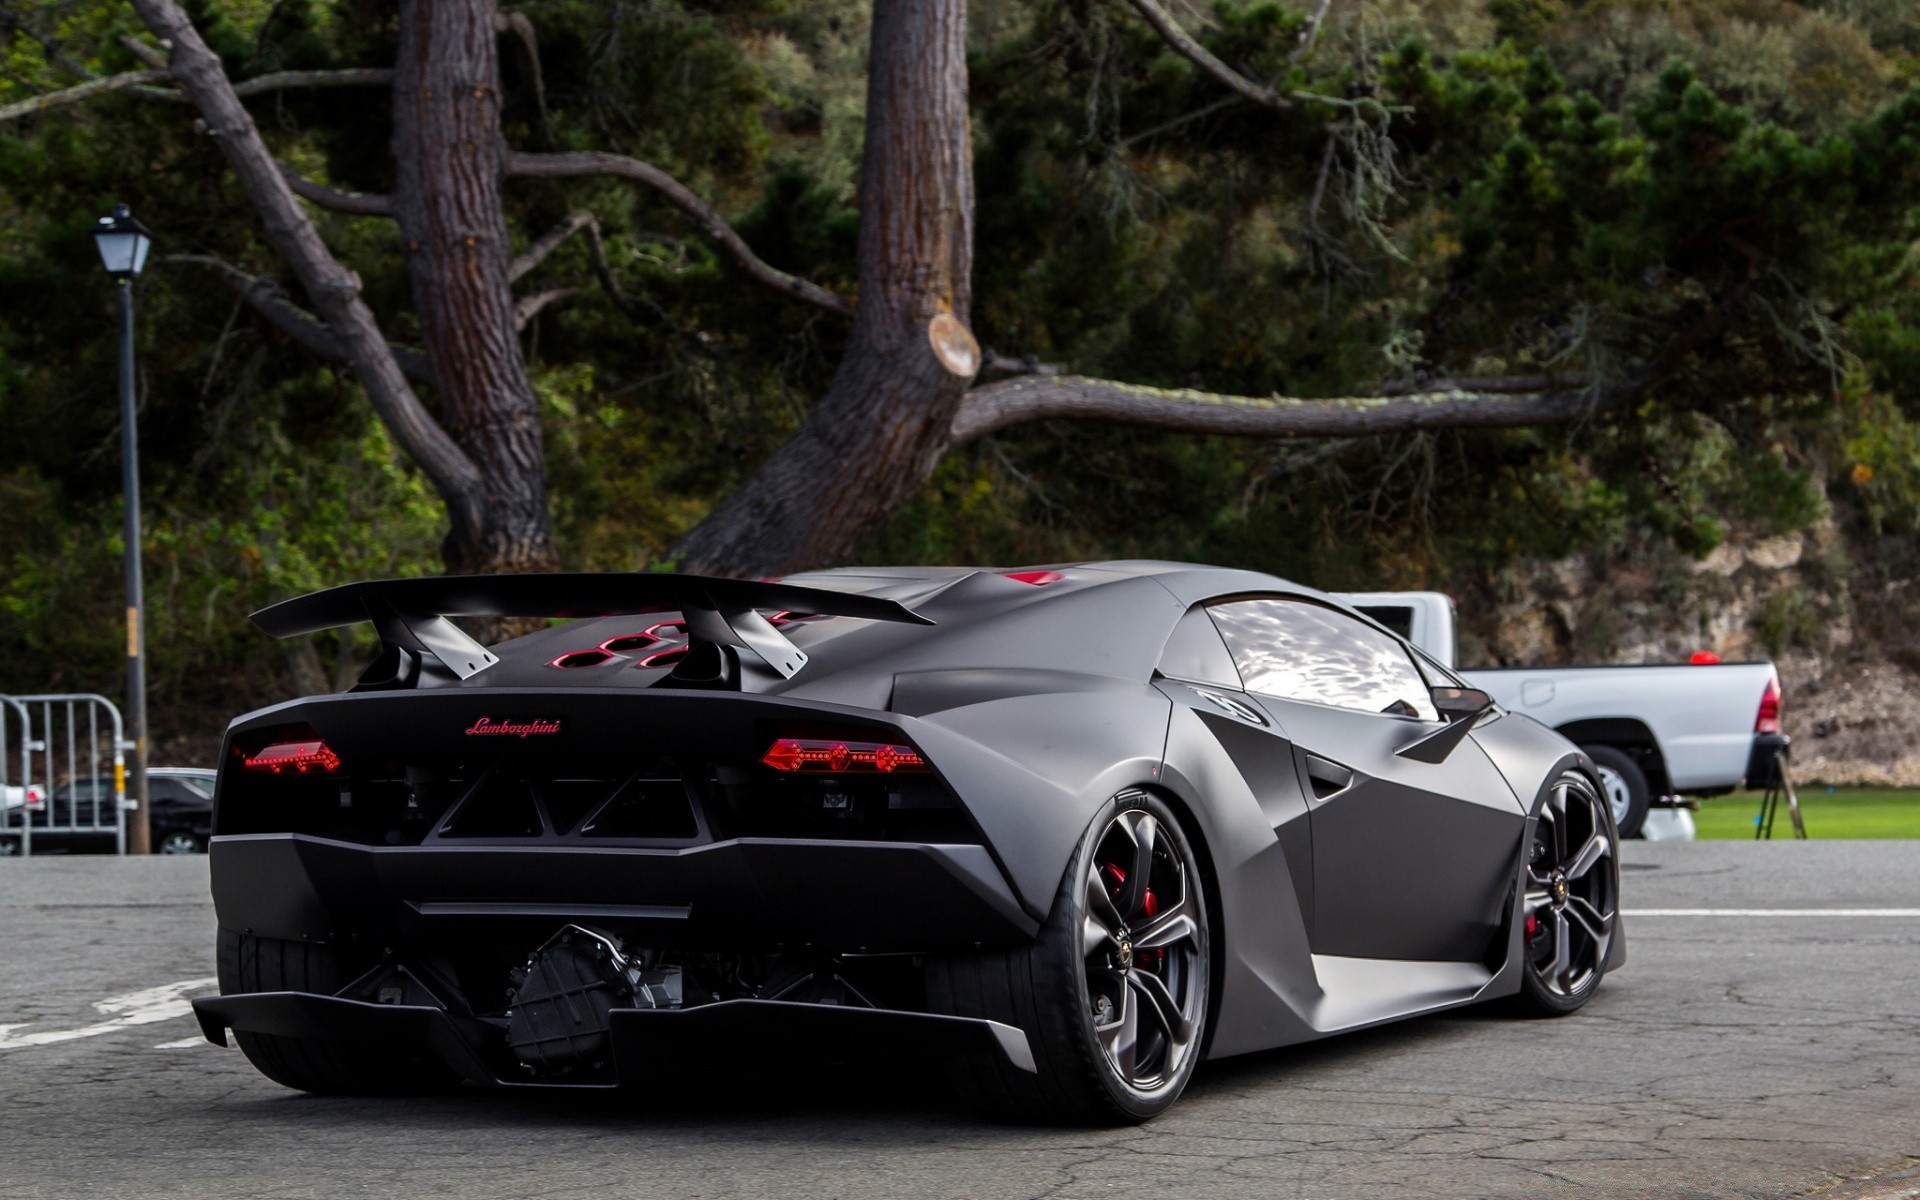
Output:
x,y
1768,719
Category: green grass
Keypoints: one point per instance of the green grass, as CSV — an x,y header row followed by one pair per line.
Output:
x,y
1840,813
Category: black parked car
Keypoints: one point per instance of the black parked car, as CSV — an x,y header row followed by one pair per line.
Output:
x,y
79,817
1077,826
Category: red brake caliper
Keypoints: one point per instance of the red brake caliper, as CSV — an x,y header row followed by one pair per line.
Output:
x,y
1150,959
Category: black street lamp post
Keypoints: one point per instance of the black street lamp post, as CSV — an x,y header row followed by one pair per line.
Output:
x,y
123,244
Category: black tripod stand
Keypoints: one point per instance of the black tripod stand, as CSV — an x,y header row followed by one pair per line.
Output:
x,y
1781,787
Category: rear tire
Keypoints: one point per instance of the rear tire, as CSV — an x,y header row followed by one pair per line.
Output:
x,y
1624,786
257,964
1113,992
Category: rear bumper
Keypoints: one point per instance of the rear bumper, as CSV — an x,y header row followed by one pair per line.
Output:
x,y
739,894
642,1040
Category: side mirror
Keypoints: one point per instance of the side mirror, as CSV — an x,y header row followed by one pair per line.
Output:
x,y
1459,706
1457,703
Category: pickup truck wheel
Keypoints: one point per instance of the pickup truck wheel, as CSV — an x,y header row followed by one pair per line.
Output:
x,y
1625,785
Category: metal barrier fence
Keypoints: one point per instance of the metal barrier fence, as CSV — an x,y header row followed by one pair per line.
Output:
x,y
70,751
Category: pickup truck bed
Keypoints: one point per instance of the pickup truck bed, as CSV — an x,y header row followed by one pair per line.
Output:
x,y
1701,717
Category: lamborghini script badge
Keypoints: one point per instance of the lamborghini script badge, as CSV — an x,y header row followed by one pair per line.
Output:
x,y
513,727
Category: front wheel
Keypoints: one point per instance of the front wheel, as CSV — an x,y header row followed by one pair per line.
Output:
x,y
1112,995
1571,884
180,842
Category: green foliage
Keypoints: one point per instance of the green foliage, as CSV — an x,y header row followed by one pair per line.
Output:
x,y
1716,193
1788,619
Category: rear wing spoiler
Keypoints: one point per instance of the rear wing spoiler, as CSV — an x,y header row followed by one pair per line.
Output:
x,y
411,614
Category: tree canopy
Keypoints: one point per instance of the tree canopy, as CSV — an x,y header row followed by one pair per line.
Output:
x,y
1690,224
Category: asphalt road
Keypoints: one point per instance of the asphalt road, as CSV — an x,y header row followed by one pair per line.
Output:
x,y
1734,1056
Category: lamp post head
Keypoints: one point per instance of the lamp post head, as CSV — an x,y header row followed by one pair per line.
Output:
x,y
123,242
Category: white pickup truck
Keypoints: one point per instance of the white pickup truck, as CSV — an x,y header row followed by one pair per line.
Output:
x,y
1656,732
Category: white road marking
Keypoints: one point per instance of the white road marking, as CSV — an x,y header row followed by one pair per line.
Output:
x,y
1771,912
184,1044
149,1006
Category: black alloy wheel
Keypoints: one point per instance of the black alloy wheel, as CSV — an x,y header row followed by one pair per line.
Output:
x,y
1143,954
1572,888
1113,992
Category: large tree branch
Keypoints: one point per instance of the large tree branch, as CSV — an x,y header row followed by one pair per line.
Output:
x,y
1310,35
285,81
527,307
79,93
584,163
543,246
362,204
1506,402
1037,398
333,290
1189,48
1503,385
268,299
140,80
521,27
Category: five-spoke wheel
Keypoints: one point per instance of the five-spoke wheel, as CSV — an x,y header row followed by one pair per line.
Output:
x,y
1112,994
1572,887
1143,952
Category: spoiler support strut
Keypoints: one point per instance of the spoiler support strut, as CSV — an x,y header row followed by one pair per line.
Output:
x,y
412,613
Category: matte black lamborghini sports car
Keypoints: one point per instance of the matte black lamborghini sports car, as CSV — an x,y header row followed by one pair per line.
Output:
x,y
1071,829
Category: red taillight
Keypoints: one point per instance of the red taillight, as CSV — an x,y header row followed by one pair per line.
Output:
x,y
627,643
831,755
1036,578
1768,720
1704,658
297,758
36,799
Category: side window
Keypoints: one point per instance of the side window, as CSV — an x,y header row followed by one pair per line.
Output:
x,y
1302,651
1196,654
169,791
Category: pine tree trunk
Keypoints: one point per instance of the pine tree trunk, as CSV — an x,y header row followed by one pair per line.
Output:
x,y
448,150
887,416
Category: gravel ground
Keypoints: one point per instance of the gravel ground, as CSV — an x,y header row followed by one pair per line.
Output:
x,y
1734,1056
